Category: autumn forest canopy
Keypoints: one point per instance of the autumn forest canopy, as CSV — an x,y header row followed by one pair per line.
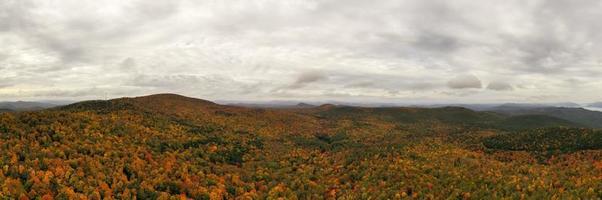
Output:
x,y
171,147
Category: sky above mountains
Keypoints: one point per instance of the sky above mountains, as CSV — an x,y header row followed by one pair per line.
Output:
x,y
371,51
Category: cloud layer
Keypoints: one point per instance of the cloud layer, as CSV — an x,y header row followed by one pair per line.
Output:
x,y
390,50
465,82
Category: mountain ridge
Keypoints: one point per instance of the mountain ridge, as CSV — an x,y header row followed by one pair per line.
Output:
x,y
25,105
179,105
578,115
596,105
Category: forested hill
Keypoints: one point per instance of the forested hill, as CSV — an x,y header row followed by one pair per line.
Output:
x,y
577,115
168,146
174,105
166,103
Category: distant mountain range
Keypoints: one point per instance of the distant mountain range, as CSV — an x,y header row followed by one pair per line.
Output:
x,y
588,116
477,107
574,114
519,114
259,105
176,105
596,105
564,113
24,106
534,105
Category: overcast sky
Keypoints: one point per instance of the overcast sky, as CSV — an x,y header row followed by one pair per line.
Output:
x,y
341,50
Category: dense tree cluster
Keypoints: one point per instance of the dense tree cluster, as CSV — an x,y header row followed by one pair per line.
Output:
x,y
171,147
548,139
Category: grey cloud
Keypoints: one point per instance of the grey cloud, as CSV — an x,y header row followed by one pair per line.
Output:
x,y
422,86
91,92
71,93
578,82
563,37
357,48
545,55
437,42
156,9
459,93
20,19
170,81
83,35
14,15
128,64
499,86
360,85
69,50
5,85
77,93
308,77
6,81
388,82
464,82
199,85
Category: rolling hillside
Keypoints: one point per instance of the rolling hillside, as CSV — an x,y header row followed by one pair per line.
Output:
x,y
169,146
576,115
456,116
548,139
521,122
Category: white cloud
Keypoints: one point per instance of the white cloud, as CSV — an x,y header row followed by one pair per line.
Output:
x,y
390,49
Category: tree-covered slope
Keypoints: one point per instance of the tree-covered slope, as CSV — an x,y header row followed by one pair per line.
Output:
x,y
521,122
174,147
548,139
576,115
